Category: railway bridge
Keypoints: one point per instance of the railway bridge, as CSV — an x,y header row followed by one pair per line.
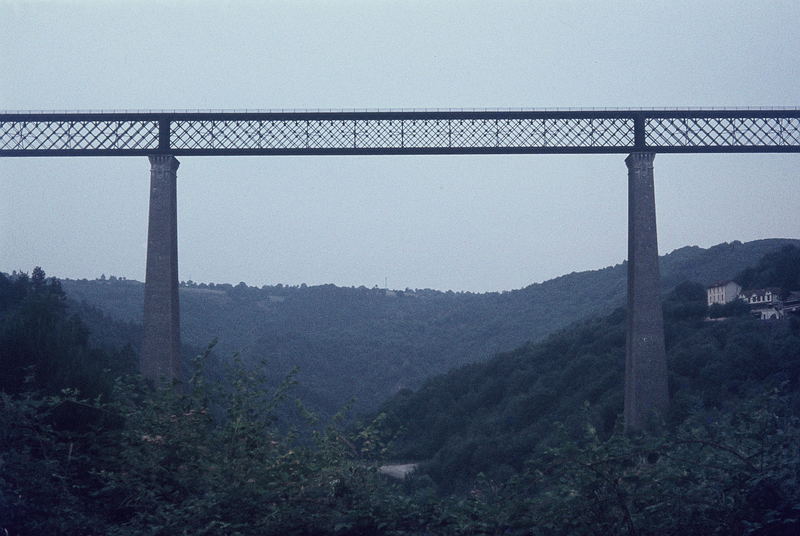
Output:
x,y
641,134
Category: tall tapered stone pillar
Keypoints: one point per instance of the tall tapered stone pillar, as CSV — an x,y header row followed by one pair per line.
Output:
x,y
646,392
160,355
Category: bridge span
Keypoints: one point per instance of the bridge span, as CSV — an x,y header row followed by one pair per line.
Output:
x,y
397,132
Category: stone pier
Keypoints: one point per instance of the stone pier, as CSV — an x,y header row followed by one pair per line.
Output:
x,y
646,392
161,346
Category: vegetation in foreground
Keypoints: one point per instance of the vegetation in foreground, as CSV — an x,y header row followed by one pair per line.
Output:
x,y
164,464
197,459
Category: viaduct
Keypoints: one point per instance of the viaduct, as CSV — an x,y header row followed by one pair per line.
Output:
x,y
162,136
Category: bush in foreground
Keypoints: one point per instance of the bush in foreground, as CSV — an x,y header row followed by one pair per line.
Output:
x,y
205,462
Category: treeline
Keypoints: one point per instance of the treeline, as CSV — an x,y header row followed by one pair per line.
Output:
x,y
368,344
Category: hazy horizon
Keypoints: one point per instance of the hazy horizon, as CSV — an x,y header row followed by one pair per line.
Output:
x,y
389,287
471,222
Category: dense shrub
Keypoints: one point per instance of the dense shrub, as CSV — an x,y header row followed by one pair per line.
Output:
x,y
186,460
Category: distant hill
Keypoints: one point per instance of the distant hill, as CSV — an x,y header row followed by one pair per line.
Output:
x,y
371,343
489,417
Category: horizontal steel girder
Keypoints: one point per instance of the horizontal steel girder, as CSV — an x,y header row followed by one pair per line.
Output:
x,y
386,133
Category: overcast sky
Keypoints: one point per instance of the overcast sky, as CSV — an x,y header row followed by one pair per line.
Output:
x,y
448,222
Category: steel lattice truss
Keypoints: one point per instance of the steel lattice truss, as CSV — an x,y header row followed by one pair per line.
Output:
x,y
299,133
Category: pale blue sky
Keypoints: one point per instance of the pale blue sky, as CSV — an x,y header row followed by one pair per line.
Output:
x,y
462,222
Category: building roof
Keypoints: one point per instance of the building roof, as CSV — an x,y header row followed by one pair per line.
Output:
x,y
761,291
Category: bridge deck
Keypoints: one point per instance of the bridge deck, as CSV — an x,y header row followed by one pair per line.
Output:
x,y
398,132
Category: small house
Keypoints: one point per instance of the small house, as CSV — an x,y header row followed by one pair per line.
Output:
x,y
761,296
723,292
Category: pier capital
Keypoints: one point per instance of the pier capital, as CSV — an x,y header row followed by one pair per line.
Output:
x,y
640,160
165,162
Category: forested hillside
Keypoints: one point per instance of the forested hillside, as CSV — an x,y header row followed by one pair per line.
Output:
x,y
489,417
369,344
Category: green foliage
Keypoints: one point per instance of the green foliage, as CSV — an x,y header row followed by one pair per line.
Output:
x,y
44,481
686,301
727,310
196,461
718,473
178,460
43,346
780,269
489,417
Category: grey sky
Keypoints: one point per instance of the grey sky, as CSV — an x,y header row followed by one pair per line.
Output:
x,y
460,222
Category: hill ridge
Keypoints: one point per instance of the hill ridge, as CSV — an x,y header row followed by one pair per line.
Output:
x,y
337,335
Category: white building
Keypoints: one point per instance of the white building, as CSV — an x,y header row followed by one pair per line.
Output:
x,y
765,303
723,292
767,312
761,296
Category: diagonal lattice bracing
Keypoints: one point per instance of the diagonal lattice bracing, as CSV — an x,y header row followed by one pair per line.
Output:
x,y
426,133
335,134
605,132
254,135
38,135
324,134
229,133
376,134
475,133
521,132
613,132
723,131
216,134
